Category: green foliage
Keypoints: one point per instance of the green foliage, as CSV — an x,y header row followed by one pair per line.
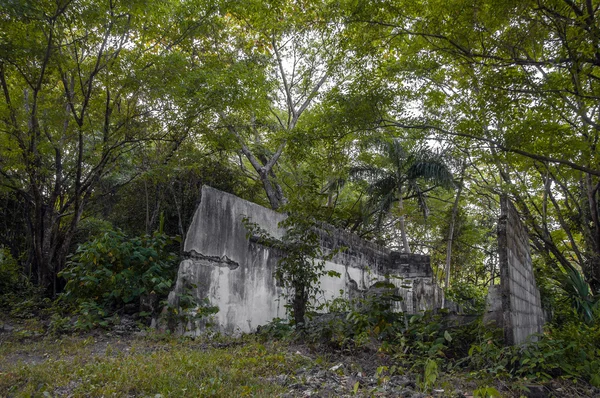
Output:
x,y
486,392
112,270
302,261
370,317
373,316
394,171
430,374
360,322
172,190
579,294
9,272
82,85
89,228
569,351
18,296
470,297
567,296
276,329
428,346
424,338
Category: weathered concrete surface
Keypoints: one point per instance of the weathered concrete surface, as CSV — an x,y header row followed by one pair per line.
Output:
x,y
521,305
493,307
237,274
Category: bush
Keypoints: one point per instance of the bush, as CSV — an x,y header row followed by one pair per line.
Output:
x,y
18,296
569,351
9,272
113,270
470,297
302,264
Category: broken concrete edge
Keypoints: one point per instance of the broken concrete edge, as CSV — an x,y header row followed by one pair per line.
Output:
x,y
200,258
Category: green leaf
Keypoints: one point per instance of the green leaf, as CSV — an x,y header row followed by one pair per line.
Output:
x,y
447,336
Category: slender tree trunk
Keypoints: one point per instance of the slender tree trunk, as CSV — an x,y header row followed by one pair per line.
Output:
x,y
451,231
299,305
401,222
178,208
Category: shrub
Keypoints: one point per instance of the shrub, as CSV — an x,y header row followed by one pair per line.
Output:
x,y
9,271
113,270
360,321
302,263
569,351
470,297
18,296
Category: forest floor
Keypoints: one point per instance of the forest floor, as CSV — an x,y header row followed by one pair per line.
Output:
x,y
128,361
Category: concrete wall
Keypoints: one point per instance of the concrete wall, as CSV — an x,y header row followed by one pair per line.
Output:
x,y
493,307
236,273
521,305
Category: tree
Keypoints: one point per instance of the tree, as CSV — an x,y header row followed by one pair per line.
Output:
x,y
520,79
78,97
298,53
397,176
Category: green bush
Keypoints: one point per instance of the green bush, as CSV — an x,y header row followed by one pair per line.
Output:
x,y
570,351
303,264
358,322
470,297
18,296
9,271
113,270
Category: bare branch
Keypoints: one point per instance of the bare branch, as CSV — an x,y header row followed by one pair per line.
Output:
x,y
286,86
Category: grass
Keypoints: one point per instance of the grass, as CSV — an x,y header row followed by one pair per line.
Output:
x,y
144,367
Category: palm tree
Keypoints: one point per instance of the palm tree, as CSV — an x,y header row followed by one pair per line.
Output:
x,y
399,176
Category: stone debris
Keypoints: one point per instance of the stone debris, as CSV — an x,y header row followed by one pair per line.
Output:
x,y
340,381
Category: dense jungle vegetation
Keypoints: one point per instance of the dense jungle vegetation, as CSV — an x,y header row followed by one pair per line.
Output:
x,y
401,121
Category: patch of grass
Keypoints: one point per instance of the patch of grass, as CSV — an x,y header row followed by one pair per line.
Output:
x,y
170,367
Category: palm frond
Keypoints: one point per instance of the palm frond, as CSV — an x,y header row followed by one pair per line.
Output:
x,y
380,206
580,294
431,169
416,191
386,185
396,153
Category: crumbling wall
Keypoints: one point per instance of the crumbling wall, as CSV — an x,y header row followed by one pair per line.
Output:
x,y
236,273
521,305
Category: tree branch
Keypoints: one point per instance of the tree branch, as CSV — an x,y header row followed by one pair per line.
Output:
x,y
496,144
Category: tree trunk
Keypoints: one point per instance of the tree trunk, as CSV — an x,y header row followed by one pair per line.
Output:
x,y
50,242
273,190
299,305
451,231
401,223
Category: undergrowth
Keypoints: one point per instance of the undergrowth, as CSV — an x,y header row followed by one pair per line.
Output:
x,y
429,345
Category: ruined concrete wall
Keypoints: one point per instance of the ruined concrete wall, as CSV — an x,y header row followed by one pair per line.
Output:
x,y
234,273
521,305
237,274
